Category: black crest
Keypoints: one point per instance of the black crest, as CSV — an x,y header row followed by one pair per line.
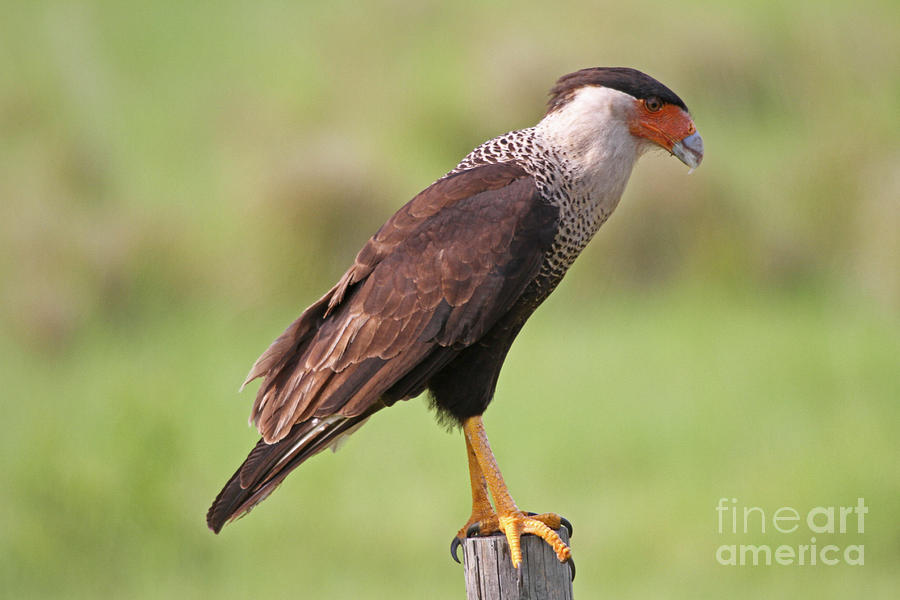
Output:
x,y
624,79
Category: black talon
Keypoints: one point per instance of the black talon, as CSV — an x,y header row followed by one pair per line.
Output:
x,y
473,530
568,525
572,567
454,546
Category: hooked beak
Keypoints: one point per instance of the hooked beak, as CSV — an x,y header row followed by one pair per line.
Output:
x,y
689,150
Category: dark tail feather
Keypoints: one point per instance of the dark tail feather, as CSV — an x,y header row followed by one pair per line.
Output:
x,y
268,464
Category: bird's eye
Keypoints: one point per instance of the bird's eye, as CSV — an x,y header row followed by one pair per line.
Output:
x,y
653,104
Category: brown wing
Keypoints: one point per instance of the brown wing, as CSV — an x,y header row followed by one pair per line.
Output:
x,y
433,279
438,274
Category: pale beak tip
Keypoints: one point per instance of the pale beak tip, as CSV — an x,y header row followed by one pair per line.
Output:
x,y
690,150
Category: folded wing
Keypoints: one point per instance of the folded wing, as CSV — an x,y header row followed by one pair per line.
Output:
x,y
430,282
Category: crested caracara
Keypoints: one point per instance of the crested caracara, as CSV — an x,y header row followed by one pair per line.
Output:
x,y
436,297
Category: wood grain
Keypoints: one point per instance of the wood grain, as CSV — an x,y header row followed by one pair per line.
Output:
x,y
490,574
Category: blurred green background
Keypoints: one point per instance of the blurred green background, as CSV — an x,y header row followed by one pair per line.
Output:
x,y
178,180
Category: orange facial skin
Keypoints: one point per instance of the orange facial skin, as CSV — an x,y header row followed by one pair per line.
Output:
x,y
665,126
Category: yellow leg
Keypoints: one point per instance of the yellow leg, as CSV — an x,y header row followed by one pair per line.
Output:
x,y
482,511
510,520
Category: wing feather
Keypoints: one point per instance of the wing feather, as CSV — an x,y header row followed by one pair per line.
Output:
x,y
437,275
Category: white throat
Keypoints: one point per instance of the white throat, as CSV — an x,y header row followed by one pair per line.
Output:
x,y
591,134
580,156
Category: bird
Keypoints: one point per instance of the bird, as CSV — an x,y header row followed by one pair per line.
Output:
x,y
435,298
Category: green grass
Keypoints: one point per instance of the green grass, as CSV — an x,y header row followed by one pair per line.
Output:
x,y
632,416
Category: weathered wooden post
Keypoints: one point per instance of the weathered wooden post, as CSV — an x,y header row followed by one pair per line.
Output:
x,y
490,574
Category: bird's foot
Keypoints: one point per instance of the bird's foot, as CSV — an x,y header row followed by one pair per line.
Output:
x,y
514,524
480,515
508,519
